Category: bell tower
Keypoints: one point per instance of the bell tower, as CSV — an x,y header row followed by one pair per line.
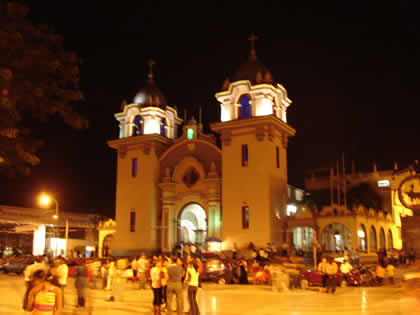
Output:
x,y
148,126
254,135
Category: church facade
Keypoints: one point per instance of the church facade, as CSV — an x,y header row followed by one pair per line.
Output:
x,y
182,187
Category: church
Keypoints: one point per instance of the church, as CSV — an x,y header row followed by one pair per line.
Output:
x,y
176,184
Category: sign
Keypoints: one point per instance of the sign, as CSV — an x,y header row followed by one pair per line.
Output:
x,y
383,183
409,192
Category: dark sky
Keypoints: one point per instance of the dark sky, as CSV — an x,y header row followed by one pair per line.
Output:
x,y
351,70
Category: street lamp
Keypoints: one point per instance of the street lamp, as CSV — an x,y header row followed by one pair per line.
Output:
x,y
45,200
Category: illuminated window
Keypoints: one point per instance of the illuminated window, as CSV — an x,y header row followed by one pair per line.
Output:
x,y
163,127
245,217
244,155
245,108
291,209
134,167
132,221
277,157
190,133
138,126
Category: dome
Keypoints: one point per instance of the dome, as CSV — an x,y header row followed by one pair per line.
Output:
x,y
150,94
254,71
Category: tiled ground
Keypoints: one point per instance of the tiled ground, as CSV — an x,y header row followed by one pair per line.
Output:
x,y
232,300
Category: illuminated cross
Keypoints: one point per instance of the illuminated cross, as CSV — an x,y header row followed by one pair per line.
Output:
x,y
252,39
151,62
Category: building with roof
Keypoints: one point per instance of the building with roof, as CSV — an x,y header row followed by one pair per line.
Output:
x,y
183,187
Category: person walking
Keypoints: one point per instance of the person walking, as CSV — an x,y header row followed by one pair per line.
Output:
x,y
80,275
164,276
192,280
155,275
44,298
134,268
111,271
93,269
175,274
141,271
61,272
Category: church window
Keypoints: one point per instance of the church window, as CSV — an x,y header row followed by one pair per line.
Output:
x,y
245,217
163,127
277,157
134,167
137,126
190,133
132,221
191,176
245,106
244,155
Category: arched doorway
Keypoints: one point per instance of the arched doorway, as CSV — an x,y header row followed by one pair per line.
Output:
x,y
361,233
302,238
373,247
106,245
390,240
192,226
382,242
336,237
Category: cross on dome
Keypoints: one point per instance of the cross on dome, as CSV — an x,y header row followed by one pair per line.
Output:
x,y
252,39
150,63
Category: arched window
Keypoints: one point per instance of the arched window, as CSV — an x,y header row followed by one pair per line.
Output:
x,y
382,243
137,126
361,233
245,108
163,127
390,240
373,247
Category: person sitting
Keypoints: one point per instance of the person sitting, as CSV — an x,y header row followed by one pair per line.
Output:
x,y
345,269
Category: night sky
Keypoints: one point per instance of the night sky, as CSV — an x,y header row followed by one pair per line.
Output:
x,y
351,70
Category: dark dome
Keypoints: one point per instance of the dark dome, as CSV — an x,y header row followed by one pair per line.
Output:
x,y
150,95
254,71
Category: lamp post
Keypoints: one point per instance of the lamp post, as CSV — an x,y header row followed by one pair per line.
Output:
x,y
45,200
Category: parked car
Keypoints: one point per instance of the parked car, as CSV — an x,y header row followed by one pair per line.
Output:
x,y
314,278
17,264
215,270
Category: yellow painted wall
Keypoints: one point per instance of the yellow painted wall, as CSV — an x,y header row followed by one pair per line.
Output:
x,y
139,194
258,186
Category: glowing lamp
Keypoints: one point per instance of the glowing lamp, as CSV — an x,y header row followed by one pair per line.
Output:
x,y
360,233
45,200
190,133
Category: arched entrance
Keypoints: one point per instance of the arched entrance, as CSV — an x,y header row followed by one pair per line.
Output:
x,y
106,245
192,227
382,243
336,237
373,247
302,238
390,240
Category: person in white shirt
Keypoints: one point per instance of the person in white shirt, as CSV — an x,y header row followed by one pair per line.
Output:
x,y
345,269
61,273
192,280
141,271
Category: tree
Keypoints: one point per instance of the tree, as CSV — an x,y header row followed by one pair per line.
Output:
x,y
38,79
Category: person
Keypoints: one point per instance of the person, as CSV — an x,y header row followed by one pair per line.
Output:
x,y
28,275
390,272
155,275
345,269
44,298
93,269
192,280
141,271
411,256
346,254
322,268
111,271
175,274
332,269
380,273
135,268
61,272
243,273
234,251
164,276
80,275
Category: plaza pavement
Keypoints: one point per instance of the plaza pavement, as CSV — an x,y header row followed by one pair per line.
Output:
x,y
232,300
